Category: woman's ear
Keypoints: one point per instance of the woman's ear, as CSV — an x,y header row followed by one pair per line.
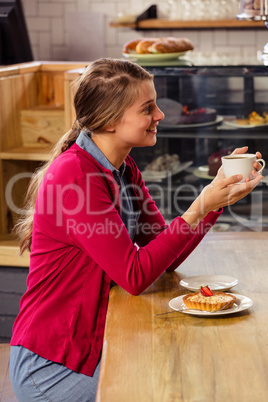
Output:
x,y
110,129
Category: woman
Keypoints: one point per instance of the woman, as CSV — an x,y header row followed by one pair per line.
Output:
x,y
87,210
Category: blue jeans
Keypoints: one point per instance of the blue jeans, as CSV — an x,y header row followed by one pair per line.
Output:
x,y
36,379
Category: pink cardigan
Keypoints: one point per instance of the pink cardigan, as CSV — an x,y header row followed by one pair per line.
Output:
x,y
79,245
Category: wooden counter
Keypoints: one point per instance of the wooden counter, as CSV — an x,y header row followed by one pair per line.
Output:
x,y
182,357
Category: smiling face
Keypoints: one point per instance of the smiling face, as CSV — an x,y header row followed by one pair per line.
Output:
x,y
138,125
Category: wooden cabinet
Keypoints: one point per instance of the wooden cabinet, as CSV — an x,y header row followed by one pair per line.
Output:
x,y
33,116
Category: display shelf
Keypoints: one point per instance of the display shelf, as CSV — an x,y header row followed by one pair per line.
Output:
x,y
31,153
214,134
179,24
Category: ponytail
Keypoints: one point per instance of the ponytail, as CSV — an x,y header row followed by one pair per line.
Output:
x,y
23,227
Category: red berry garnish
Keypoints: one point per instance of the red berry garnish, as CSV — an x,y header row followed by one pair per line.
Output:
x,y
205,291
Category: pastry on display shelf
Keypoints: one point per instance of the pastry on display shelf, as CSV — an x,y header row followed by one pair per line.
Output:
x,y
158,45
177,114
253,119
163,163
196,116
214,161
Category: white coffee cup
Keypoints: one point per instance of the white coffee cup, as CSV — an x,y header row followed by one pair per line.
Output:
x,y
240,164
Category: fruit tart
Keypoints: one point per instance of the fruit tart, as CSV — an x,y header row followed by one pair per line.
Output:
x,y
207,300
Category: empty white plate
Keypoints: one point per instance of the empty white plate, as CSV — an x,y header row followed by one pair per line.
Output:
x,y
214,282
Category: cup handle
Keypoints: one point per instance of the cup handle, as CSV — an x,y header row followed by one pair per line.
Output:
x,y
263,164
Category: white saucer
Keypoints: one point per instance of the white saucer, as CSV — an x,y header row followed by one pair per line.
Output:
x,y
242,303
202,173
217,121
247,126
214,282
150,175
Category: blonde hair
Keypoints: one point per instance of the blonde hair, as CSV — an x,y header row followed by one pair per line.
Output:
x,y
105,90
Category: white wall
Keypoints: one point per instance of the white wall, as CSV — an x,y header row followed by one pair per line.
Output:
x,y
49,33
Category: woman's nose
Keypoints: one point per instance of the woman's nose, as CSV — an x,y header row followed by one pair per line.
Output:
x,y
159,114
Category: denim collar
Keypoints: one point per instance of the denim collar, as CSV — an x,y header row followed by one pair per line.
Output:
x,y
85,142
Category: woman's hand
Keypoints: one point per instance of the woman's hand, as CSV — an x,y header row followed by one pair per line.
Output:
x,y
221,192
224,191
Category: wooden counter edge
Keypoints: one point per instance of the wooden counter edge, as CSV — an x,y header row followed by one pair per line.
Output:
x,y
247,235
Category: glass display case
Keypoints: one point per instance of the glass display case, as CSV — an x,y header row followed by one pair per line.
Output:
x,y
234,102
